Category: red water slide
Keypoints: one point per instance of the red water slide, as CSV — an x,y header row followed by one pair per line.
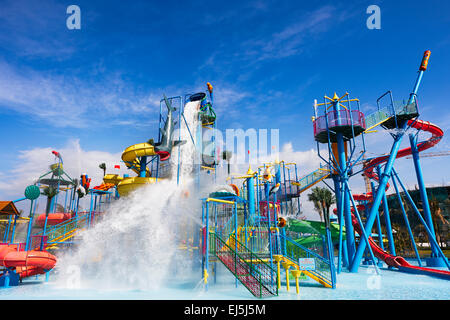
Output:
x,y
436,136
27,263
53,218
398,261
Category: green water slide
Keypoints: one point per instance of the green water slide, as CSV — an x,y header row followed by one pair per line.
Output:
x,y
314,228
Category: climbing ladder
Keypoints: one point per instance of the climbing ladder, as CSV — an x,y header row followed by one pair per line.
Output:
x,y
254,273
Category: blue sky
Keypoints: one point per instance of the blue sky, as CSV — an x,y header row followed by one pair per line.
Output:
x,y
268,60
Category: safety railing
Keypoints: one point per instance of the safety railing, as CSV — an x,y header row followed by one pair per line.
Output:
x,y
255,274
396,108
58,231
311,179
340,118
293,250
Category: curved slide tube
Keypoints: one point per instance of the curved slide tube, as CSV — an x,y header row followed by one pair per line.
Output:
x,y
436,136
398,261
53,218
26,263
130,157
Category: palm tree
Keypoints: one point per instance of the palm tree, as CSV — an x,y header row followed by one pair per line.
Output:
x,y
103,167
322,199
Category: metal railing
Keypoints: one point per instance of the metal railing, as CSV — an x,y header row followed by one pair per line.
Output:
x,y
255,274
339,118
313,178
294,251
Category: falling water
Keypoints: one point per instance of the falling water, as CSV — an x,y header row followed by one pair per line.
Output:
x,y
136,244
186,153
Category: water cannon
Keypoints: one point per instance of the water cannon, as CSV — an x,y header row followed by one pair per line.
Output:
x,y
422,68
57,154
424,63
210,87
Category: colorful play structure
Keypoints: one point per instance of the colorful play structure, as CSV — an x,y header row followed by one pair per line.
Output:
x,y
250,224
338,127
244,233
49,232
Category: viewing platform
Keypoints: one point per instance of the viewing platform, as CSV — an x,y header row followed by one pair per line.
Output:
x,y
350,123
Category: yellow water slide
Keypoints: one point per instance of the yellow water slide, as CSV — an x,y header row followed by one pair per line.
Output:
x,y
130,157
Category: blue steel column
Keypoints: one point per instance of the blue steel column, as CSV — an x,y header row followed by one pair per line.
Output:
x,y
377,220
251,198
266,187
425,203
343,254
206,244
378,197
30,224
387,171
405,218
142,166
343,179
444,259
387,220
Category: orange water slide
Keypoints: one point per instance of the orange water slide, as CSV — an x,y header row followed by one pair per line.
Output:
x,y
26,263
53,218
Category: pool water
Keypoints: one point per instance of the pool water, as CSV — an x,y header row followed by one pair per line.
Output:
x,y
365,285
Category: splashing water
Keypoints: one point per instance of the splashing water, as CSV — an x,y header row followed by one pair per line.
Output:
x,y
136,243
186,153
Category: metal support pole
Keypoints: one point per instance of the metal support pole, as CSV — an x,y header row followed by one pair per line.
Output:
x,y
30,223
13,230
205,271
387,220
364,233
330,248
430,234
405,218
266,185
377,220
349,232
383,179
6,232
423,192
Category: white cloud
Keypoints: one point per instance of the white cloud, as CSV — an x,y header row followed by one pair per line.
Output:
x,y
293,38
68,101
35,162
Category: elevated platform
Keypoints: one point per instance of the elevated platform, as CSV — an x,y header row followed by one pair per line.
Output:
x,y
392,116
402,113
349,123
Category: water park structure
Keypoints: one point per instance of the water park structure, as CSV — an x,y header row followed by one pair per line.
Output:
x,y
249,225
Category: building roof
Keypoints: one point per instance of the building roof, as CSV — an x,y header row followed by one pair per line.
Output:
x,y
8,208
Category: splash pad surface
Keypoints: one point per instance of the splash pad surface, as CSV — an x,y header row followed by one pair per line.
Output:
x,y
365,285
